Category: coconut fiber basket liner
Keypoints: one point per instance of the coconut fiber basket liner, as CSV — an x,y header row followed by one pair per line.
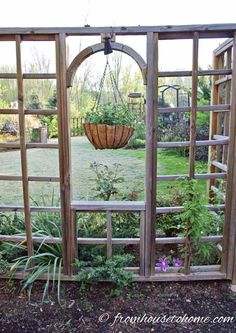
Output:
x,y
108,137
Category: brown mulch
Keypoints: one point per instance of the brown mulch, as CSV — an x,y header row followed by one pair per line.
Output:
x,y
94,309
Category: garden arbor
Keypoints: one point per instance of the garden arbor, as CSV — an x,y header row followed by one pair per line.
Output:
x,y
222,143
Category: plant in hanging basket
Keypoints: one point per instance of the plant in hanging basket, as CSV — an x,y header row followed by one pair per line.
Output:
x,y
109,126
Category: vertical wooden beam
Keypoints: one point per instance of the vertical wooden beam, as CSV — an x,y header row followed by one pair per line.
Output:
x,y
141,244
227,101
229,243
74,245
64,153
192,148
213,128
109,234
23,150
151,152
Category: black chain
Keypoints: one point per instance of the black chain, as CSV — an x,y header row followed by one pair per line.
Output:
x,y
114,87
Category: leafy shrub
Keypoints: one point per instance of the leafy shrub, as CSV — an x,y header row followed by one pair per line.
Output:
x,y
138,138
106,180
105,269
3,265
197,221
110,114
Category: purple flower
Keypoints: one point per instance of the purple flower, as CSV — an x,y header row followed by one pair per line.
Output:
x,y
177,262
163,264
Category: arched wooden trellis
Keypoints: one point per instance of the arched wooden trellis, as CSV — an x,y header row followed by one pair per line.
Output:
x,y
84,54
225,169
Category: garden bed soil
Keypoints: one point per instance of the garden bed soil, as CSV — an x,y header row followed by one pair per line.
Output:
x,y
94,309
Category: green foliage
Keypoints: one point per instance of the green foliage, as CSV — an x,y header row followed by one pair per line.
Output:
x,y
138,138
204,92
106,180
110,114
197,221
3,264
51,122
47,258
100,268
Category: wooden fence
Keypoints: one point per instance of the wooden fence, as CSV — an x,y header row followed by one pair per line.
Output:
x,y
222,146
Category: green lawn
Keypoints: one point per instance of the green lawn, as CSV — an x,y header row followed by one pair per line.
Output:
x,y
45,162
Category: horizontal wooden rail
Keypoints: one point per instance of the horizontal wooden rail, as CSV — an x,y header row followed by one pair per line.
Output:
x,y
42,145
223,47
10,178
178,209
204,30
192,276
113,206
103,207
31,178
8,111
11,208
220,107
33,76
10,145
175,144
16,145
220,137
196,273
30,112
40,112
223,79
196,176
200,73
103,241
220,165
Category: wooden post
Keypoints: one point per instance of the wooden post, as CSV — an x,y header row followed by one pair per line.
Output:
x,y
151,152
229,244
213,128
141,244
192,147
227,101
109,234
64,153
23,150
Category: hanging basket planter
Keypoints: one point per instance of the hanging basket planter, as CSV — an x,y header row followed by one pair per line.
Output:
x,y
109,125
104,136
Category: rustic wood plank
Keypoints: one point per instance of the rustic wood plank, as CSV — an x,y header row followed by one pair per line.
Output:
x,y
84,54
209,72
219,165
50,145
41,112
196,176
223,79
39,76
227,100
9,111
205,30
213,127
187,143
221,108
113,206
223,47
109,234
23,151
151,151
228,254
142,244
10,145
64,152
